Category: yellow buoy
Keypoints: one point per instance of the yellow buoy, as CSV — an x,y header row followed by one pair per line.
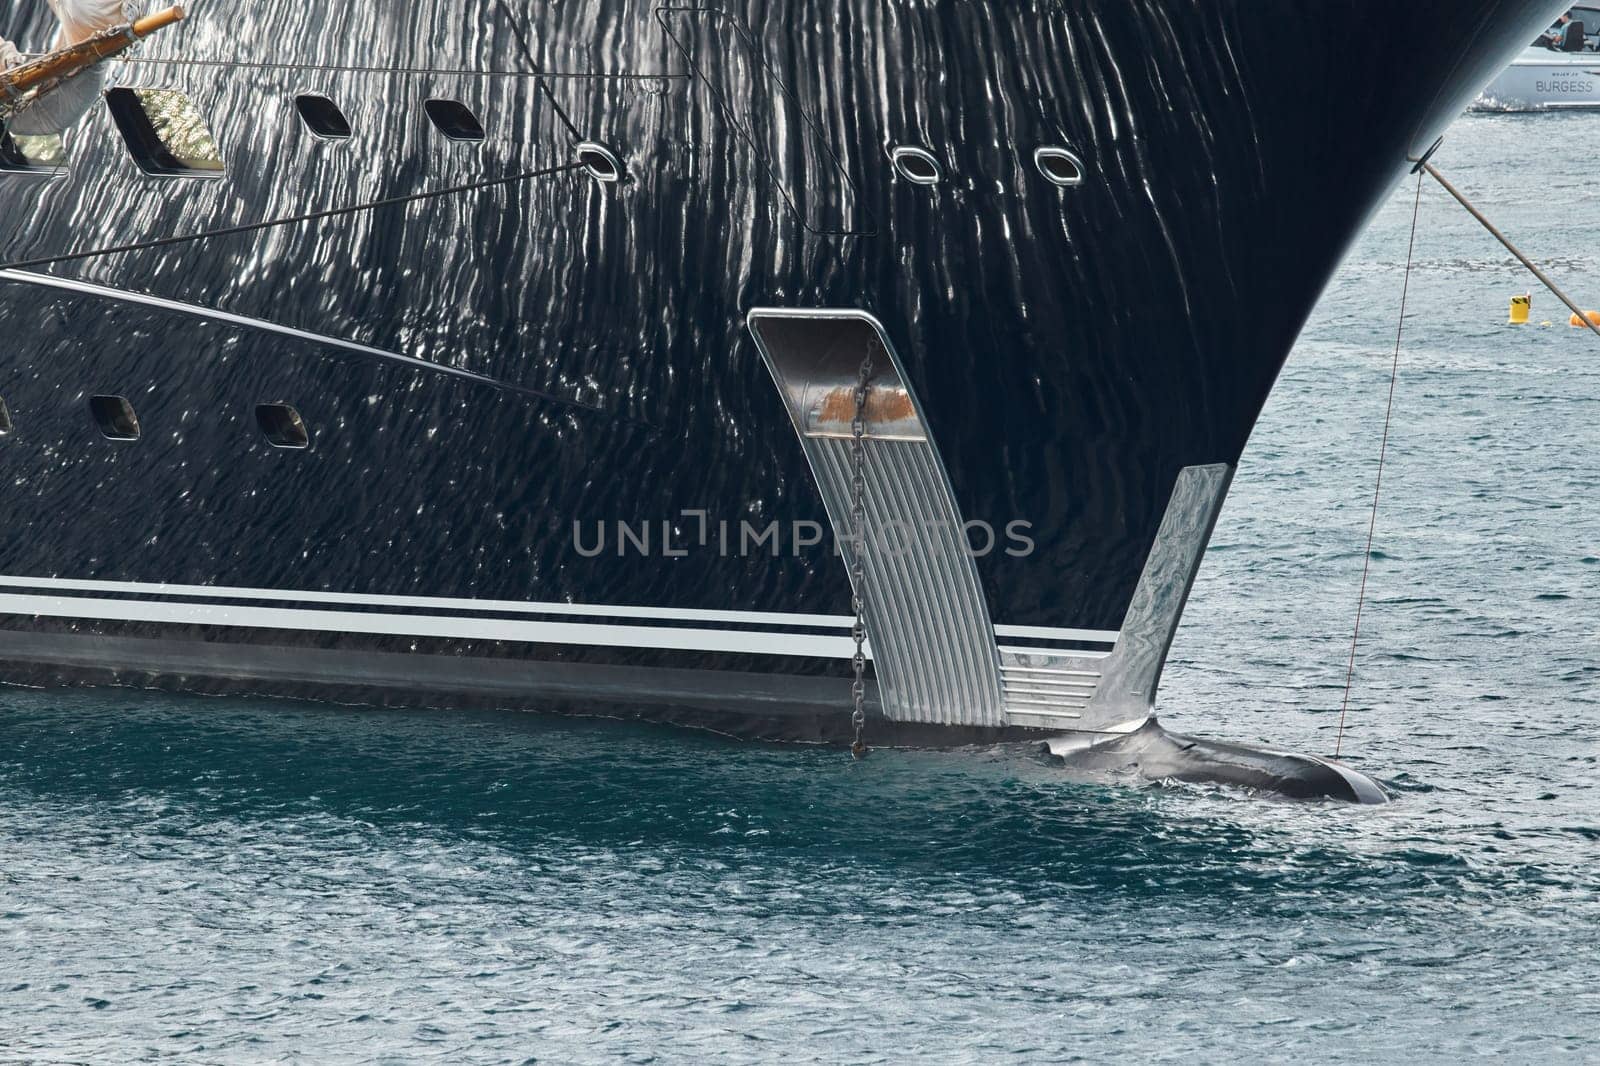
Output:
x,y
1576,322
1520,306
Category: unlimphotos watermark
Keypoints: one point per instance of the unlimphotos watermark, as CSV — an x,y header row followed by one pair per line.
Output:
x,y
695,531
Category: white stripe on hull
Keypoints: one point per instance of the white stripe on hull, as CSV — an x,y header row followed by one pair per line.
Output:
x,y
437,603
203,614
421,625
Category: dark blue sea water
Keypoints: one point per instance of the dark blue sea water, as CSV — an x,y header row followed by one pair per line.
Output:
x,y
234,880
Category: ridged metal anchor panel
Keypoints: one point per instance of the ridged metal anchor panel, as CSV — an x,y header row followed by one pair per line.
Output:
x,y
932,640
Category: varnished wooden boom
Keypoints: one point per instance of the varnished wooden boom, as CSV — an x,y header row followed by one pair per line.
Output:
x,y
67,61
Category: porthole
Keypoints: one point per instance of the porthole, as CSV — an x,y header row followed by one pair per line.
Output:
x,y
282,425
114,415
5,418
322,117
454,119
916,165
1059,166
165,132
601,162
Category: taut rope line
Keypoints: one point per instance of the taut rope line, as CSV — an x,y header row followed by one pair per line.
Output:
x,y
1377,487
1425,165
291,220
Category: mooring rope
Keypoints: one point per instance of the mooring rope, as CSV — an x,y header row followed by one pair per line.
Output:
x,y
1425,166
1383,451
1512,248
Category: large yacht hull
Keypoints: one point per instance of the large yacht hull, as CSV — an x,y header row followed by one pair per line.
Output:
x,y
552,462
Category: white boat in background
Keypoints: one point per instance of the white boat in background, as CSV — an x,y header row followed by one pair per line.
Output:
x,y
1558,72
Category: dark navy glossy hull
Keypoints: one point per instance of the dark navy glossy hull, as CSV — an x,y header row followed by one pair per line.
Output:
x,y
482,369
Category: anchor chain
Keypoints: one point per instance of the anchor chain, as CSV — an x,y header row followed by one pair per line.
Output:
x,y
858,565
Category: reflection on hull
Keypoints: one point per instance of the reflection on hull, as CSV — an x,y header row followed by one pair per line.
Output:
x,y
503,277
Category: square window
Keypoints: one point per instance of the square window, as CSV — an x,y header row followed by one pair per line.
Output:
x,y
114,415
165,132
282,425
454,119
43,153
322,117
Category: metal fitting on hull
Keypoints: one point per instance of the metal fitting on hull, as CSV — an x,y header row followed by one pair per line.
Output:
x,y
1152,754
